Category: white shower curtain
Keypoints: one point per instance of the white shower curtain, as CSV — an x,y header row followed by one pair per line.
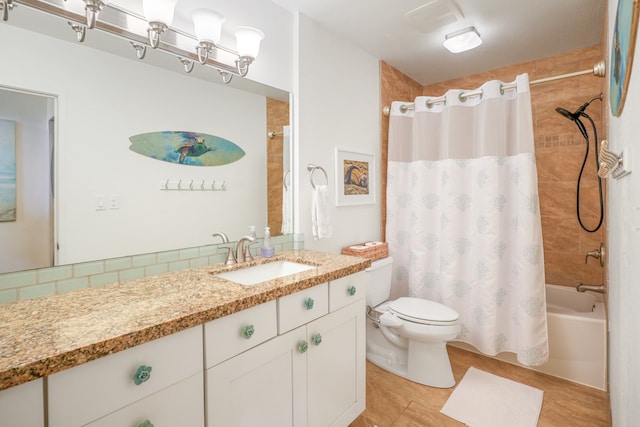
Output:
x,y
463,220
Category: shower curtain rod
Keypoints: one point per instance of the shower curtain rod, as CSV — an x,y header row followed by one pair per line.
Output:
x,y
598,70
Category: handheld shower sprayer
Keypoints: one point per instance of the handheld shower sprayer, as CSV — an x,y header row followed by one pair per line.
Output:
x,y
575,117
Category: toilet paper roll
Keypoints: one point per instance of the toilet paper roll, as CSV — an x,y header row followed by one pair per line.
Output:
x,y
358,247
373,243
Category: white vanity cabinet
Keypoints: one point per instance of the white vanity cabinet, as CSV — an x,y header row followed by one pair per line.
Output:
x,y
336,366
153,375
311,374
23,405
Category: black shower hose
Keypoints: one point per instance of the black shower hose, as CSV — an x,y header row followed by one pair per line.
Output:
x,y
584,162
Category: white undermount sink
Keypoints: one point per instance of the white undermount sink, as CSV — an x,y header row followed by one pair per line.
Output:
x,y
262,272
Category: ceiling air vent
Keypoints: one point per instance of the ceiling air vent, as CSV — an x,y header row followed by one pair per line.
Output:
x,y
434,15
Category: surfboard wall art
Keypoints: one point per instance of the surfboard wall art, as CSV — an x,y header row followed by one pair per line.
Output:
x,y
187,148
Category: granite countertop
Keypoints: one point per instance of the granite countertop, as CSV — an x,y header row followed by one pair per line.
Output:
x,y
42,336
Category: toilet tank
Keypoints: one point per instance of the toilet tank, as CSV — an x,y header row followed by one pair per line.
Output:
x,y
379,281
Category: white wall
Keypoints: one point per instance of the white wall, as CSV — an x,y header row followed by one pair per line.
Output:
x,y
624,249
338,106
26,242
104,99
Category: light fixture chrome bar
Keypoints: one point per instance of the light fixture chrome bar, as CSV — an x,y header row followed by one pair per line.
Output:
x,y
133,27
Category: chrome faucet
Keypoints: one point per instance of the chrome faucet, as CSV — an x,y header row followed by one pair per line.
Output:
x,y
231,259
223,236
240,249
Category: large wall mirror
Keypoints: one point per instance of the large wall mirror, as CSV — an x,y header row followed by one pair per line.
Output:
x,y
92,196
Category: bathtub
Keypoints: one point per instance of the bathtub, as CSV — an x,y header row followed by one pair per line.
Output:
x,y
577,337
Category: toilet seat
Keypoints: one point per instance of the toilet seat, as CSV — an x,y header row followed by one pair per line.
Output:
x,y
423,311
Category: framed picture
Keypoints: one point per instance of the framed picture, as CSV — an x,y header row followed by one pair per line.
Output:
x,y
622,47
355,178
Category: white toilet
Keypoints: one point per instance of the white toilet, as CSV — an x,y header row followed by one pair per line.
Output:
x,y
408,336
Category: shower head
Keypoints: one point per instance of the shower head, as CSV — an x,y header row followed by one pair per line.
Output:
x,y
579,112
569,115
576,115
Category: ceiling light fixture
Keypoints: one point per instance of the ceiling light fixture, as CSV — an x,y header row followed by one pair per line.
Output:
x,y
462,40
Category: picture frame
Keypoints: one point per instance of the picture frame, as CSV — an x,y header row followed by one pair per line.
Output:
x,y
355,177
622,48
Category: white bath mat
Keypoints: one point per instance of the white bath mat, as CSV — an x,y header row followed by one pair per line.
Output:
x,y
482,399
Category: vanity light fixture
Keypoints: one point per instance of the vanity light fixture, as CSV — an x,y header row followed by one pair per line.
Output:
x,y
159,15
207,25
93,7
462,40
248,45
146,29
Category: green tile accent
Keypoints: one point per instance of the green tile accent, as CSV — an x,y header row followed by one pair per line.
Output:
x,y
168,256
10,295
132,273
143,260
152,270
73,284
103,279
179,265
19,278
199,262
88,268
115,264
217,259
39,290
52,274
208,250
189,253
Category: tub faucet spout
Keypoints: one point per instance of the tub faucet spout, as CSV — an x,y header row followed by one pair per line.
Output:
x,y
583,287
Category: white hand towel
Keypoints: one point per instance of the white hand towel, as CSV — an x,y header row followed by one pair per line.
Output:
x,y
320,213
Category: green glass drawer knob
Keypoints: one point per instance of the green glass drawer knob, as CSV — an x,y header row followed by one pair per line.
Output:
x,y
143,373
352,290
248,331
317,339
303,347
308,303
146,423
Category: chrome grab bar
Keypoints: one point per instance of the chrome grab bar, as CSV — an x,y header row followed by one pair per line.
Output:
x,y
583,287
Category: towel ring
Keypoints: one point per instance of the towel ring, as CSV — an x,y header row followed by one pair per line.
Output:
x,y
312,168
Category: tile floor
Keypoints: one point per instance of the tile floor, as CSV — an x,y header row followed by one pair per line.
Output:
x,y
393,401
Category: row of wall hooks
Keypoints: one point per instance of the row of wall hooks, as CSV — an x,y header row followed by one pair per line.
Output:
x,y
193,185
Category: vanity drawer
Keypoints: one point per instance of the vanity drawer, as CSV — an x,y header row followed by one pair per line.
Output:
x,y
233,334
92,390
302,307
181,404
345,290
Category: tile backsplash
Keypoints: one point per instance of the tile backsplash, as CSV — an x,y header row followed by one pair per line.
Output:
x,y
28,284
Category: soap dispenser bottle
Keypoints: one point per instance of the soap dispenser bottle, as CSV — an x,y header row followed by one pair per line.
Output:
x,y
267,250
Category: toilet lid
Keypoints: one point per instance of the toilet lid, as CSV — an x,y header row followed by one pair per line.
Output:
x,y
420,310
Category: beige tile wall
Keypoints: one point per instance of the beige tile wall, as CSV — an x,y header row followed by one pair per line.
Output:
x,y
560,151
277,117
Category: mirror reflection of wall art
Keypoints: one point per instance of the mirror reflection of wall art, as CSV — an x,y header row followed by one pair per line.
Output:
x,y
355,177
7,170
622,47
187,148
